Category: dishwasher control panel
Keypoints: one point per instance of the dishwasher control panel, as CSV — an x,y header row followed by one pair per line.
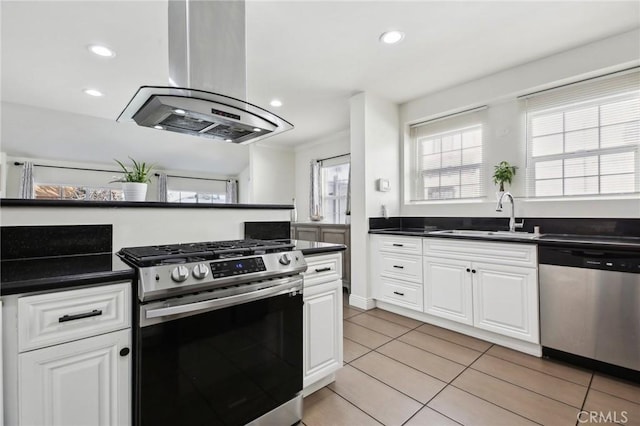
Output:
x,y
606,260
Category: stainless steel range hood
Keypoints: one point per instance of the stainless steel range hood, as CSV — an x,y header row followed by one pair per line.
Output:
x,y
207,77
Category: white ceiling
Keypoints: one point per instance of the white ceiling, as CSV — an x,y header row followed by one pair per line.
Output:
x,y
314,55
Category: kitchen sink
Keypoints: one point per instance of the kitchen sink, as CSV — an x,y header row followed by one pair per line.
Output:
x,y
476,233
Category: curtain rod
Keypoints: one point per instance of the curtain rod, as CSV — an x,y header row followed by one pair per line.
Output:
x,y
335,156
19,163
196,178
626,70
466,111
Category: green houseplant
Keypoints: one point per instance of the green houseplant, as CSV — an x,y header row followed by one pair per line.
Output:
x,y
134,180
503,172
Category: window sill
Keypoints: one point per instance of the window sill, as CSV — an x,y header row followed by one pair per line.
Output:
x,y
586,198
453,201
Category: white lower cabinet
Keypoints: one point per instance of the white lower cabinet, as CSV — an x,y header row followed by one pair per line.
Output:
x,y
501,298
322,320
447,290
85,382
506,300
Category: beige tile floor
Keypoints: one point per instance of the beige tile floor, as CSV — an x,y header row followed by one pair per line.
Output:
x,y
399,371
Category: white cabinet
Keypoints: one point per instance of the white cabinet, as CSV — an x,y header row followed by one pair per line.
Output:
x,y
85,382
492,286
506,300
71,357
322,320
397,270
447,290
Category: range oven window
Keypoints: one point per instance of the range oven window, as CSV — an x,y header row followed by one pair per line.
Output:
x,y
221,367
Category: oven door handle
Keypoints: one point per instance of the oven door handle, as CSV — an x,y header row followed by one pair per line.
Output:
x,y
225,301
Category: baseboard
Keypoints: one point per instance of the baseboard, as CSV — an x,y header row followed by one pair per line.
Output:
x,y
509,342
362,302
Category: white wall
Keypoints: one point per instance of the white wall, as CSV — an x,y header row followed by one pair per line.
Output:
x,y
505,137
272,175
244,186
58,135
102,179
374,154
335,144
135,226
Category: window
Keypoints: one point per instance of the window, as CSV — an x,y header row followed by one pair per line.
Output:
x,y
196,190
584,139
335,183
195,197
448,157
73,192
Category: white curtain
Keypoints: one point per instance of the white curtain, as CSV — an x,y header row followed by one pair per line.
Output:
x,y
26,181
162,187
315,196
232,191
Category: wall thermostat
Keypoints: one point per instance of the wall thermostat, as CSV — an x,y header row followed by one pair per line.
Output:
x,y
382,185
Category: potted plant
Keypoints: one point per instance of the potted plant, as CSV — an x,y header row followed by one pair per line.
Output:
x,y
504,172
135,180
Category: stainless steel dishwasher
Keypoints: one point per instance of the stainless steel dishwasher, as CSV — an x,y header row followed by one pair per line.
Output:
x,y
590,307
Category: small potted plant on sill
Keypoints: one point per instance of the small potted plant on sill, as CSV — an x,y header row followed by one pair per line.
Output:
x,y
503,173
135,180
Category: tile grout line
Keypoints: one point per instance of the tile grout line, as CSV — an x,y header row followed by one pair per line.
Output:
x,y
586,394
538,371
451,341
358,408
522,387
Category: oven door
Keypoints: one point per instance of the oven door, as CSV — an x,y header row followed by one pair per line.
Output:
x,y
223,361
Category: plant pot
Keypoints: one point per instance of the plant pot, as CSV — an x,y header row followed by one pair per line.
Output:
x,y
134,191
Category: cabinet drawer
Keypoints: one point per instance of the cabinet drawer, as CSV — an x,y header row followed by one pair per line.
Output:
x,y
400,293
63,316
322,269
401,267
402,245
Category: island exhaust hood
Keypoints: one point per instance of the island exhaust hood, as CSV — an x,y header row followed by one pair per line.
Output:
x,y
207,77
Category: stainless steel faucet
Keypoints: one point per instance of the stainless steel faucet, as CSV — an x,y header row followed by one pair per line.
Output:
x,y
512,219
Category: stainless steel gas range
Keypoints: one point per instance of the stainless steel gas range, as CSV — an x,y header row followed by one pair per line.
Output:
x,y
219,333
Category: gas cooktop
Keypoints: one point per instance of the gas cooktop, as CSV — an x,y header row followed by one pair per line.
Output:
x,y
195,252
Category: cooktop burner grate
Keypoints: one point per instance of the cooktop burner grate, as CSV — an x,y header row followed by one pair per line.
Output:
x,y
208,250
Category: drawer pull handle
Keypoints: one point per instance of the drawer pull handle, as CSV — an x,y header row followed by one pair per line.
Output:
x,y
398,293
323,269
398,266
398,245
94,313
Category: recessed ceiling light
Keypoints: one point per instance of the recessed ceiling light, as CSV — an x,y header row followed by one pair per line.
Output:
x,y
392,37
276,103
257,129
179,111
102,51
228,140
158,127
92,92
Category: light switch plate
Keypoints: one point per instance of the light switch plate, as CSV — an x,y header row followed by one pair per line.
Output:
x,y
383,185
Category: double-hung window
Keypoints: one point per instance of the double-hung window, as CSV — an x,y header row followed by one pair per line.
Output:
x,y
195,190
335,183
448,157
584,139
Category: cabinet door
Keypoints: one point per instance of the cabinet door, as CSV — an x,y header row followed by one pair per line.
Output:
x,y
447,289
506,300
307,233
86,382
322,331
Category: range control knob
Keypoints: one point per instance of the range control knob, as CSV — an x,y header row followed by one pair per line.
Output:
x,y
285,259
200,271
179,274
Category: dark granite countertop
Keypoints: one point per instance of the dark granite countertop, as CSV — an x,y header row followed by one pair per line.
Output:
x,y
51,273
572,240
317,247
18,202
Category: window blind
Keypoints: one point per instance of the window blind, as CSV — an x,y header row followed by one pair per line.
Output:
x,y
584,139
448,157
